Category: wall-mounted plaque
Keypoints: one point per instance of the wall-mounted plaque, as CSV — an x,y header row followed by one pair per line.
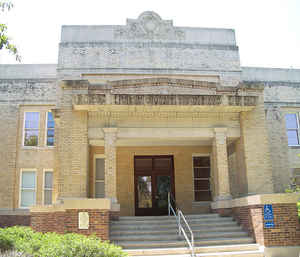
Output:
x,y
83,220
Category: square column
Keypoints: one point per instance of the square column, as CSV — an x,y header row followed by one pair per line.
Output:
x,y
110,138
222,185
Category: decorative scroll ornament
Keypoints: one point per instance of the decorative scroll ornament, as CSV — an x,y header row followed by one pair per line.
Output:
x,y
149,25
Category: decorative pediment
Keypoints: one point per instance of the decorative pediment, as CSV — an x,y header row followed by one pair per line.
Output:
x,y
149,25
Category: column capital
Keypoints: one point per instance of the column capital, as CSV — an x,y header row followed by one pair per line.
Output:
x,y
110,130
220,130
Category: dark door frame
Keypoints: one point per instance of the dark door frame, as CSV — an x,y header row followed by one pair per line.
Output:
x,y
154,211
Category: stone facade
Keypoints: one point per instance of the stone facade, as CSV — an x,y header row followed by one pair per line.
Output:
x,y
140,89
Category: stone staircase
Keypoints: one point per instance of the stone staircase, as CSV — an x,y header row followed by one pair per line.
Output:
x,y
215,236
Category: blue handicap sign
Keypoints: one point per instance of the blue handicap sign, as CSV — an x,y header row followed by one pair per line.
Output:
x,y
269,224
268,212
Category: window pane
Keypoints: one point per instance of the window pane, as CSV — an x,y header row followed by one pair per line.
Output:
x,y
32,120
48,179
201,172
203,196
201,185
292,137
99,190
27,198
28,180
50,141
291,121
203,161
50,121
99,169
31,138
144,192
50,133
47,196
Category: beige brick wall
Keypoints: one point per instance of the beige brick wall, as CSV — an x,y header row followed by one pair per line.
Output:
x,y
8,132
256,153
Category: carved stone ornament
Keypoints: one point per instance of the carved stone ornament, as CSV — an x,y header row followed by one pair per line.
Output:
x,y
149,25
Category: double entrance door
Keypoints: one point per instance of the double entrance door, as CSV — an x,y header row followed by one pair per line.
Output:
x,y
153,179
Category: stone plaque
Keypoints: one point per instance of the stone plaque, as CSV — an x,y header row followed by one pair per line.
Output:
x,y
83,220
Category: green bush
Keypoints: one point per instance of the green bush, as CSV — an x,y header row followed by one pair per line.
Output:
x,y
25,240
5,243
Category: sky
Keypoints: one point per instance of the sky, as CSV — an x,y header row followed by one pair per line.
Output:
x,y
267,31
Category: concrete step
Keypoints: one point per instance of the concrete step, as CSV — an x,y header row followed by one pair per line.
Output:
x,y
172,221
169,237
198,250
190,216
145,226
258,253
168,231
176,243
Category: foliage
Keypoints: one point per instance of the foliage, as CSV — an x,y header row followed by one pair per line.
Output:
x,y
5,41
293,187
35,244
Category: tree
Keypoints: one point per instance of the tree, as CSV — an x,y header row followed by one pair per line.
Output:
x,y
5,41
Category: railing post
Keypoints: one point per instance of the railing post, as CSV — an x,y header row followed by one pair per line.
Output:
x,y
169,203
179,223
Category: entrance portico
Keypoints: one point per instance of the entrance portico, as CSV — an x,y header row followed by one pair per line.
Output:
x,y
122,125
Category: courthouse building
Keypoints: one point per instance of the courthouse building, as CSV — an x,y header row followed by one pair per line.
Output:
x,y
132,112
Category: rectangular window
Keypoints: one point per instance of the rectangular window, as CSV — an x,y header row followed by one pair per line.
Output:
x,y
292,126
48,185
99,178
201,169
50,129
28,189
31,128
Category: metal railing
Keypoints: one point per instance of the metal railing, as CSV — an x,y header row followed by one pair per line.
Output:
x,y
175,210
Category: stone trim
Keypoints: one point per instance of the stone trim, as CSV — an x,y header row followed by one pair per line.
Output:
x,y
257,199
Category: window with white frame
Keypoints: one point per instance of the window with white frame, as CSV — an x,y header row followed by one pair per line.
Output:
x,y
50,129
31,128
27,189
48,185
292,126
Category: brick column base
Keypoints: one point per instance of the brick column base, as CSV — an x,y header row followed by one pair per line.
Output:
x,y
287,228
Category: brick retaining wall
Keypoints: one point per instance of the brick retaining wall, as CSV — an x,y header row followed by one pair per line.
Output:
x,y
67,221
14,220
287,228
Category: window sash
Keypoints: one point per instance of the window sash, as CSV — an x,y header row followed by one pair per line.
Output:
x,y
31,129
48,187
292,128
27,200
50,130
201,163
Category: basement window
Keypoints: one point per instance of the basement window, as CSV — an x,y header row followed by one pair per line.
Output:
x,y
292,126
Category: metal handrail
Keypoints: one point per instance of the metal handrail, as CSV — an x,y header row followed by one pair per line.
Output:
x,y
179,217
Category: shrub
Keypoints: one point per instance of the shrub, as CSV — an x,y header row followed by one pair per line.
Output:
x,y
5,243
25,240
